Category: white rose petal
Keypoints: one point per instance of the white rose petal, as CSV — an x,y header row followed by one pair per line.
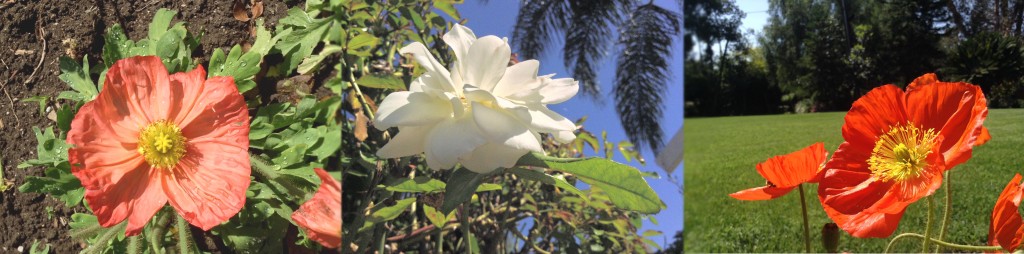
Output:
x,y
483,113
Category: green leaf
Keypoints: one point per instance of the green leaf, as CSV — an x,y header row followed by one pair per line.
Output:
x,y
381,81
241,67
59,182
416,185
116,45
534,175
312,63
448,8
460,188
162,20
51,151
625,186
301,34
65,114
387,213
77,77
38,99
362,40
35,248
437,218
264,41
488,187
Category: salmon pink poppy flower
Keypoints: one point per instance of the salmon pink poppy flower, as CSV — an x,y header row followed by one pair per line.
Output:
x,y
786,172
1006,229
320,217
898,144
151,138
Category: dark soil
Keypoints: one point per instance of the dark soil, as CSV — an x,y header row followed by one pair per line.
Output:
x,y
33,36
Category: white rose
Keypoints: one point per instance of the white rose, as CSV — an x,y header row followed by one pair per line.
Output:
x,y
484,114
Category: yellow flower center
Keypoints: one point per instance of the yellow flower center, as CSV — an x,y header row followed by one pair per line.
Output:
x,y
901,154
162,144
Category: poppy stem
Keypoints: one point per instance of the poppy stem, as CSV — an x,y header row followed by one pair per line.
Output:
x,y
184,235
928,224
807,229
970,248
948,210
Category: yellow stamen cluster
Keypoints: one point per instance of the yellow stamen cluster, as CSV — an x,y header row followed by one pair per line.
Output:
x,y
901,154
162,144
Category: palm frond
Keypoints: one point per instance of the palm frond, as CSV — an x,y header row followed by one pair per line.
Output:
x,y
586,39
642,72
536,21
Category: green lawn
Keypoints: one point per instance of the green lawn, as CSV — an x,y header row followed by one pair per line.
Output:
x,y
721,154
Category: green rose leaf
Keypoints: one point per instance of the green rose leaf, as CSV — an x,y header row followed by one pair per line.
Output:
x,y
624,185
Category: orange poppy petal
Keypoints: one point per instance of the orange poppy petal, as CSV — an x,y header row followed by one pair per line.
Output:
x,y
864,225
208,185
219,113
983,137
761,193
187,90
99,139
872,115
794,168
1007,229
857,198
141,84
124,190
320,217
956,110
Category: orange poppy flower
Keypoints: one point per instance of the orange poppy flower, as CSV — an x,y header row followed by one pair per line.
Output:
x,y
151,138
786,172
320,217
1006,229
897,146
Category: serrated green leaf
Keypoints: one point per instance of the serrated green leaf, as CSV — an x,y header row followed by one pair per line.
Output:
x,y
116,45
460,188
77,77
40,100
65,114
301,34
417,185
624,185
59,182
381,81
161,21
264,41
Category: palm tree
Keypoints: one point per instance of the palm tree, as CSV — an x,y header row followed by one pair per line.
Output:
x,y
645,34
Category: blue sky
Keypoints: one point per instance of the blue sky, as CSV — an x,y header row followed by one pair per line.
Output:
x,y
498,18
757,17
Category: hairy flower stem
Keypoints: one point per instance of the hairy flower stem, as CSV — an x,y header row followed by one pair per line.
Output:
x,y
968,248
156,240
184,235
948,210
928,224
263,168
108,235
807,229
135,244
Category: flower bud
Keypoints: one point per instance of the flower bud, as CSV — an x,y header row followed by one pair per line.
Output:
x,y
830,237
